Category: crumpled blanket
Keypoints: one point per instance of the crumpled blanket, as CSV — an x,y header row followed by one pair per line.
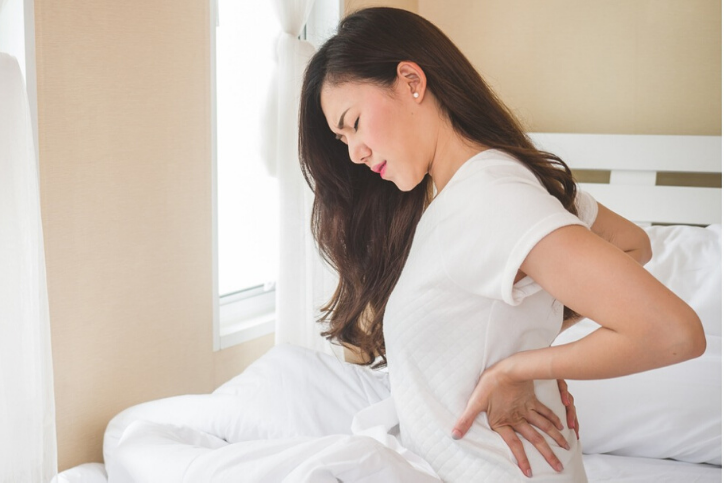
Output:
x,y
294,415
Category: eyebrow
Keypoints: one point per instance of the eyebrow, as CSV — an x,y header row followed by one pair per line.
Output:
x,y
340,125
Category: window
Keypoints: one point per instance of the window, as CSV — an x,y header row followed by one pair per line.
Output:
x,y
243,42
245,197
17,38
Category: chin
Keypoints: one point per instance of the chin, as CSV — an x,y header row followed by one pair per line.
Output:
x,y
408,184
404,186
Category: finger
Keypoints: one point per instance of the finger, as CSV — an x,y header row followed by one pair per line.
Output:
x,y
546,412
571,413
465,422
563,388
516,446
547,427
529,433
572,416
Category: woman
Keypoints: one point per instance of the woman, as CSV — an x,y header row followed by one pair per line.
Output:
x,y
461,294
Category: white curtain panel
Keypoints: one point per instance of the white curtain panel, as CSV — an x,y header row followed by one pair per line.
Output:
x,y
28,450
304,282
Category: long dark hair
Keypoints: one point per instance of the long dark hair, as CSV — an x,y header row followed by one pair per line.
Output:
x,y
364,226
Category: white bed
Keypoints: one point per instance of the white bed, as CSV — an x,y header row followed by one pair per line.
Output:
x,y
295,415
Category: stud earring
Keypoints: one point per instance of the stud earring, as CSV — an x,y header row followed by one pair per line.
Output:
x,y
415,95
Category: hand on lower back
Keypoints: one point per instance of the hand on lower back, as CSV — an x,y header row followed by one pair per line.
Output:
x,y
512,407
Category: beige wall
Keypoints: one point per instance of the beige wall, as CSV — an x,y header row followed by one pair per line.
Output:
x,y
352,5
125,174
614,66
619,66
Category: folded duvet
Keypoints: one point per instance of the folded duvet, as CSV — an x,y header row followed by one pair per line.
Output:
x,y
293,416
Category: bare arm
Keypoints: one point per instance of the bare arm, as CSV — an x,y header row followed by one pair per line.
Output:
x,y
644,325
623,234
596,273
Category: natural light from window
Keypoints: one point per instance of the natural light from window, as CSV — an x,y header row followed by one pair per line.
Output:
x,y
247,195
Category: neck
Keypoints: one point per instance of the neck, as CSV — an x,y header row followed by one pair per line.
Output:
x,y
451,152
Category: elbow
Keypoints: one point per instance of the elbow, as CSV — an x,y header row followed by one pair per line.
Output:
x,y
690,340
645,252
640,247
698,343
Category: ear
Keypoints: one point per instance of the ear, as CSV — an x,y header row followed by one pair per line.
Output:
x,y
411,80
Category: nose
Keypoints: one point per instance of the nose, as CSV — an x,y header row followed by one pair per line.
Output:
x,y
358,152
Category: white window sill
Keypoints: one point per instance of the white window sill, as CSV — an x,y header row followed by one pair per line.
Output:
x,y
245,315
244,330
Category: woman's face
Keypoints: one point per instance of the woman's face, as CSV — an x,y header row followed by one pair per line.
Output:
x,y
383,129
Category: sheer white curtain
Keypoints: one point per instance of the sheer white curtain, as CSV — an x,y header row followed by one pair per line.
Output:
x,y
28,450
304,282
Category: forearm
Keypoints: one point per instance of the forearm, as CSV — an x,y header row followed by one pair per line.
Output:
x,y
621,233
601,355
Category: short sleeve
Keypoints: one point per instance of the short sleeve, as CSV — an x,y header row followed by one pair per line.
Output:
x,y
587,207
492,219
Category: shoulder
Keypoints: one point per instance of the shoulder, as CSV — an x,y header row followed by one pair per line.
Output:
x,y
491,166
495,211
489,180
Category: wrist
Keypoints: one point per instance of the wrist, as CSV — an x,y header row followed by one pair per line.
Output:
x,y
509,369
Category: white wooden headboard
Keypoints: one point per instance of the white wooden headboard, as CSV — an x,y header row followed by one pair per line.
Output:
x,y
634,161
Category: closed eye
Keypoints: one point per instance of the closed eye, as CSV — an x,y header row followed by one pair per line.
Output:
x,y
340,137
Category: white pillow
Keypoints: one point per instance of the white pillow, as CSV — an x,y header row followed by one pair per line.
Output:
x,y
673,412
687,259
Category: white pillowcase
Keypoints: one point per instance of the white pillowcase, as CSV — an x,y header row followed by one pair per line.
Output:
x,y
673,412
687,260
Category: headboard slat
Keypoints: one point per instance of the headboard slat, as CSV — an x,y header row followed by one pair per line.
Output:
x,y
634,161
692,154
660,204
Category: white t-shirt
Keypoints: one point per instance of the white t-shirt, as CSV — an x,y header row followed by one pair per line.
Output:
x,y
455,311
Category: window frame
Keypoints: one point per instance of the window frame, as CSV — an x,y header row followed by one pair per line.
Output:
x,y
250,313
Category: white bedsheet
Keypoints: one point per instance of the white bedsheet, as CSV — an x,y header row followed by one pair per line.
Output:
x,y
600,469
603,468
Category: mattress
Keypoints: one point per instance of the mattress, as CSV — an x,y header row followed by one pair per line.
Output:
x,y
600,469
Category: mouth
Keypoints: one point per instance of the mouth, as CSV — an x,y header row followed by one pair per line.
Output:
x,y
379,167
